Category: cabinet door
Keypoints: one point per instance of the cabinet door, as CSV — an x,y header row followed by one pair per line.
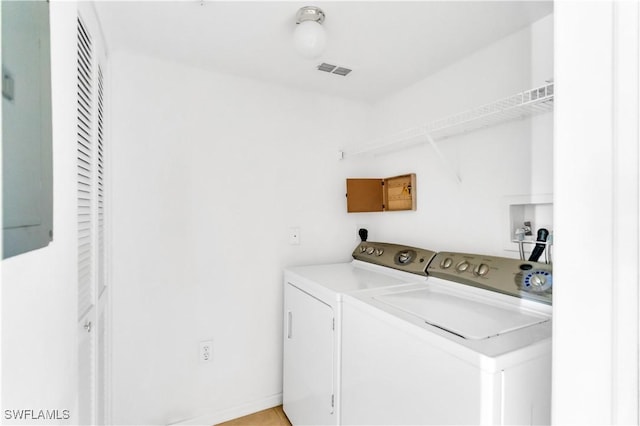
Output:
x,y
377,195
364,195
308,370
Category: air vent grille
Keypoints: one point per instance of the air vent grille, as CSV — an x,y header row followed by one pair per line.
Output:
x,y
333,69
326,67
342,71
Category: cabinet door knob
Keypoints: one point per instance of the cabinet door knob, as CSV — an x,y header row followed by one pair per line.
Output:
x,y
87,326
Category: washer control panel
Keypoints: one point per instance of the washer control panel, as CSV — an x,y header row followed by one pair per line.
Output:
x,y
520,278
404,258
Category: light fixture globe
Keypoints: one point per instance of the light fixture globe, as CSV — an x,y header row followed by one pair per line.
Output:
x,y
309,37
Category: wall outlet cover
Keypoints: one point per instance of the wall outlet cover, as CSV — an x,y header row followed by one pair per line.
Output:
x,y
206,351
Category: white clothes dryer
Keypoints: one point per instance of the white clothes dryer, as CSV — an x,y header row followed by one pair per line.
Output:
x,y
312,322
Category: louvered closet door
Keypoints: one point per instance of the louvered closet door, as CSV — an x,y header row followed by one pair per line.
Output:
x,y
85,164
85,171
92,288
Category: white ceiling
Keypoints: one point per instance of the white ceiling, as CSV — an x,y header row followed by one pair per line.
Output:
x,y
388,44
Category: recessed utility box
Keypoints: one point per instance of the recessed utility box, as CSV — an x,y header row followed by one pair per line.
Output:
x,y
536,209
379,195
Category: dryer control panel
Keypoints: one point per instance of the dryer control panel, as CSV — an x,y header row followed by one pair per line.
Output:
x,y
404,258
519,278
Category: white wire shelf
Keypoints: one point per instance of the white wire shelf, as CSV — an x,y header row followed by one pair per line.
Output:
x,y
518,106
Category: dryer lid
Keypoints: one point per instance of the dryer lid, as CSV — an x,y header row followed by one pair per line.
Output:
x,y
465,317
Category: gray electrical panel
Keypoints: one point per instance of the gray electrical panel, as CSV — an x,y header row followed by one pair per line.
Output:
x,y
27,180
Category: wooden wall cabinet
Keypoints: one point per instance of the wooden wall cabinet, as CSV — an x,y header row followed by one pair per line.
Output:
x,y
379,195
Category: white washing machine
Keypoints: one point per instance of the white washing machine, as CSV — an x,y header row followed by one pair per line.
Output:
x,y
471,345
312,322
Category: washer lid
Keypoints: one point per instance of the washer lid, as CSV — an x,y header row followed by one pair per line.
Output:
x,y
465,317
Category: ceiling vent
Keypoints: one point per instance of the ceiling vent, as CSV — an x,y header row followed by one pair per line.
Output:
x,y
342,71
333,69
326,67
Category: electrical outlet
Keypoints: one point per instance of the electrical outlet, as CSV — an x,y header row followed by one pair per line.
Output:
x,y
206,351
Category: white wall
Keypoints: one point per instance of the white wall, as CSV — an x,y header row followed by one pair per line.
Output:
x,y
595,335
208,173
39,354
510,159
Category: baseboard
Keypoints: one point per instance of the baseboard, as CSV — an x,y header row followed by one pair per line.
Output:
x,y
218,416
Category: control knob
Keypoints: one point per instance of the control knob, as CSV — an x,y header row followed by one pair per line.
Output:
x,y
370,250
462,266
481,270
405,257
446,263
379,251
537,280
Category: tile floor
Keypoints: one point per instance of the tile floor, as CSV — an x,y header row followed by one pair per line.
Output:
x,y
270,417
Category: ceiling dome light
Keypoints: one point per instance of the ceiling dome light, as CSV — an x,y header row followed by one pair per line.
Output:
x,y
309,37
